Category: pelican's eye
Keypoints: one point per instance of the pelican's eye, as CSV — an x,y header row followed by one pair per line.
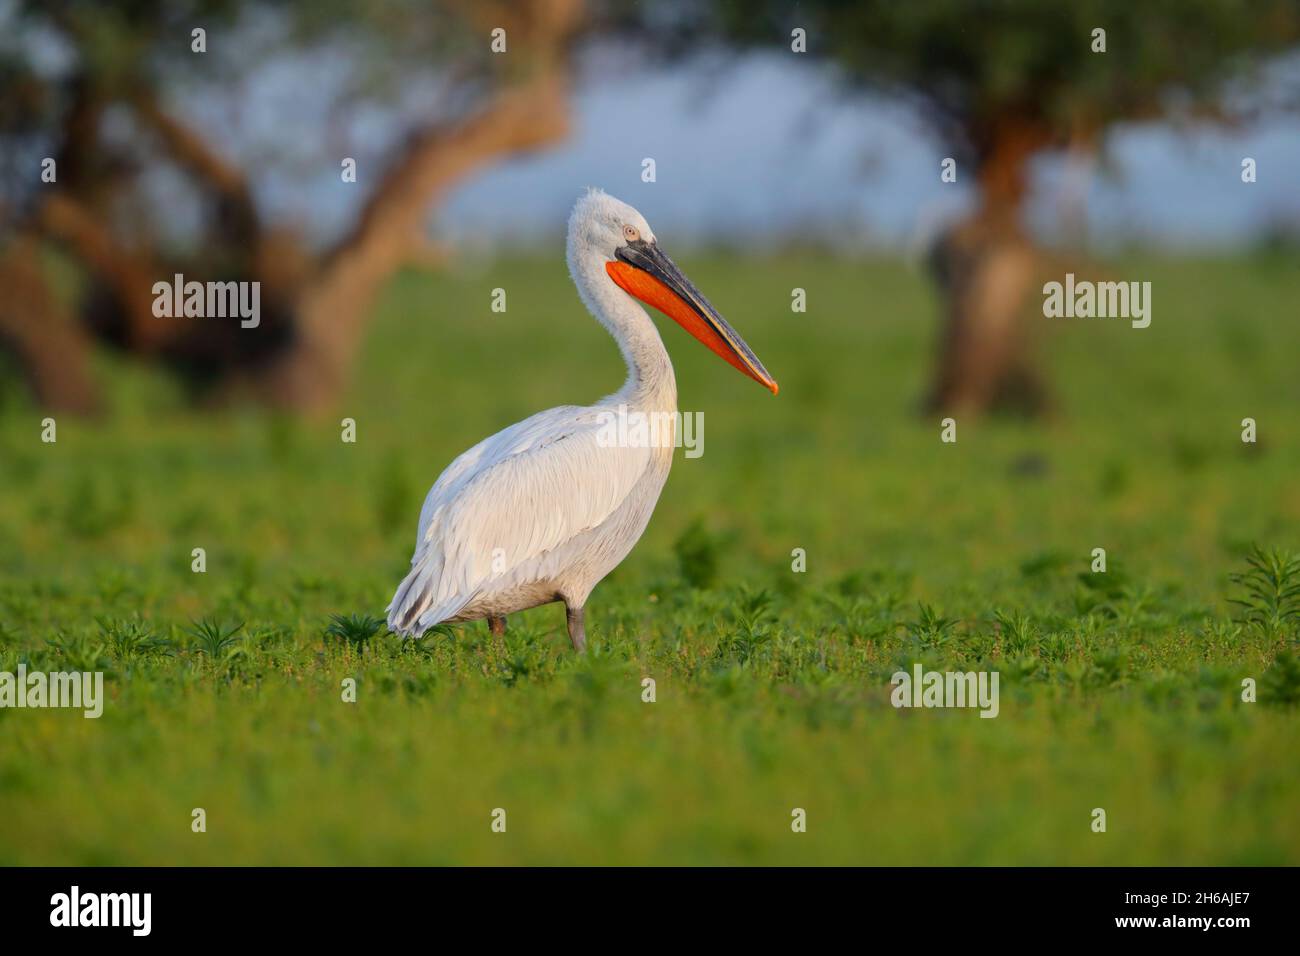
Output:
x,y
630,233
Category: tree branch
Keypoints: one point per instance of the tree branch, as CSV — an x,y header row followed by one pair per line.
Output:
x,y
193,153
128,274
51,348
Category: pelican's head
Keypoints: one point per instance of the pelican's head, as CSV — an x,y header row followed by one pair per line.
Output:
x,y
636,264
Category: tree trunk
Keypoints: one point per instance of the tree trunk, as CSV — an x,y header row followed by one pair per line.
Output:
x,y
335,305
986,267
51,349
313,311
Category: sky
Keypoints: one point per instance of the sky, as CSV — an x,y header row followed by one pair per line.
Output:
x,y
763,149
750,150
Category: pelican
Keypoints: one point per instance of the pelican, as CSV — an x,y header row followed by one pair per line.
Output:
x,y
542,511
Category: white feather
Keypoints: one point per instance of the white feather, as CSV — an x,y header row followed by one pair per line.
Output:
x,y
499,510
544,509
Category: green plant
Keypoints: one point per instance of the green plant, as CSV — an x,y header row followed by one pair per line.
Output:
x,y
1281,682
78,652
1271,600
1017,631
355,629
132,637
697,555
214,639
931,628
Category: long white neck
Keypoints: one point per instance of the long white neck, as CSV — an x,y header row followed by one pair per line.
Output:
x,y
650,381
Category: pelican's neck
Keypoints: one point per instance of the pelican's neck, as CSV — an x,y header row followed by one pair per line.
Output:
x,y
650,382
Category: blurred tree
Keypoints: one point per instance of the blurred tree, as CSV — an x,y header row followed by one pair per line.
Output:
x,y
1000,82
101,88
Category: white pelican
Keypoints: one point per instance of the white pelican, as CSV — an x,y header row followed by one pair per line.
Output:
x,y
543,510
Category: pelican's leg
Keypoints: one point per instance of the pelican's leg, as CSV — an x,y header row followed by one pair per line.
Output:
x,y
497,625
577,629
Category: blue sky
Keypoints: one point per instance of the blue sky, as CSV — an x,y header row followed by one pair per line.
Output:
x,y
762,148
750,149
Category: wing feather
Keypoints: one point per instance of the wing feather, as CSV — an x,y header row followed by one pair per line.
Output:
x,y
507,502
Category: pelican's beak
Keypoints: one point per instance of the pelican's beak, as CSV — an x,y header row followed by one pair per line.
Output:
x,y
643,270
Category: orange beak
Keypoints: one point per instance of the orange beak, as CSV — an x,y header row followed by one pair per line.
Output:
x,y
646,273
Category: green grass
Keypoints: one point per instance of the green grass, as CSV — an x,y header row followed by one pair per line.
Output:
x,y
772,687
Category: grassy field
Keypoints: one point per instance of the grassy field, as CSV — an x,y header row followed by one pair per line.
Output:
x,y
1119,691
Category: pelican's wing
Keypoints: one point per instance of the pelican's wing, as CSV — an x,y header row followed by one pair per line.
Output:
x,y
508,501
